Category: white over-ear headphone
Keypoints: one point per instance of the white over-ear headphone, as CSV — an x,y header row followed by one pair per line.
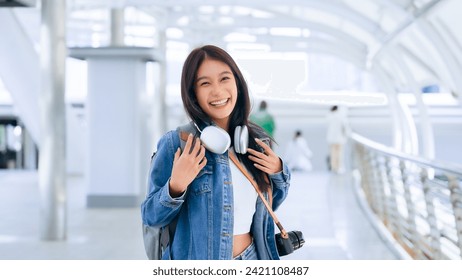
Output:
x,y
217,140
241,139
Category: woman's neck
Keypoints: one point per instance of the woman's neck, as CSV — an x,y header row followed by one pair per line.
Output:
x,y
222,123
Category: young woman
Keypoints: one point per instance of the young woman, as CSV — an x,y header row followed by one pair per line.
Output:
x,y
218,212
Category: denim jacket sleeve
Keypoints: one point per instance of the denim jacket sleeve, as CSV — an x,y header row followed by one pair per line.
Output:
x,y
159,208
280,182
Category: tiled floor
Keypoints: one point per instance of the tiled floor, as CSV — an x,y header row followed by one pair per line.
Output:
x,y
322,205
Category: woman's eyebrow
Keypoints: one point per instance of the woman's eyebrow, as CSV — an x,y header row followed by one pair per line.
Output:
x,y
201,78
221,74
225,72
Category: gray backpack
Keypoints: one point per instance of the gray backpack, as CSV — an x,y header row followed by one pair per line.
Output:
x,y
157,239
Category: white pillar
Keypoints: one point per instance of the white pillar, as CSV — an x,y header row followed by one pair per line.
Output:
x,y
52,163
426,128
163,80
393,103
117,27
117,145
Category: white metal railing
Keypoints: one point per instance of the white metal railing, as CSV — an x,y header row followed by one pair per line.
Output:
x,y
419,201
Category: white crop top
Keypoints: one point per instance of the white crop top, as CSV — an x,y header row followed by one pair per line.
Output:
x,y
245,198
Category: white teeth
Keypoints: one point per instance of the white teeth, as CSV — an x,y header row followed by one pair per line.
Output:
x,y
219,102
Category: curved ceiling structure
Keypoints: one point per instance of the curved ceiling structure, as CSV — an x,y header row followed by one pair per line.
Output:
x,y
392,35
405,45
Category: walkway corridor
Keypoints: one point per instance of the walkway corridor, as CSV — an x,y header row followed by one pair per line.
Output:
x,y
322,205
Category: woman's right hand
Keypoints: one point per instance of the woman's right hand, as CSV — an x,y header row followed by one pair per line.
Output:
x,y
186,166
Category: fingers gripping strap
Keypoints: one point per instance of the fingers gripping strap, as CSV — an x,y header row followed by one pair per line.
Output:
x,y
232,156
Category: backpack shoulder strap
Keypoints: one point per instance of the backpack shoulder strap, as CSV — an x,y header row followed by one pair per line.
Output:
x,y
184,131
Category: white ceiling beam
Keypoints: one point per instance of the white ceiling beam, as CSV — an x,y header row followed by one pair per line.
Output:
x,y
375,52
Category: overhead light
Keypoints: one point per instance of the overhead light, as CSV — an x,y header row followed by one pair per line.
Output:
x,y
239,37
174,33
241,11
224,10
286,31
225,20
206,9
306,32
249,47
261,14
183,21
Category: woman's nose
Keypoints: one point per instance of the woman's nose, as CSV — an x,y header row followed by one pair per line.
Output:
x,y
216,90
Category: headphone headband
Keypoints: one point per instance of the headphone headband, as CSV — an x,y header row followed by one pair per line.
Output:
x,y
217,140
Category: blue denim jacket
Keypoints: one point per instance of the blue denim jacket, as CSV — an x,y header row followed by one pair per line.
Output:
x,y
205,222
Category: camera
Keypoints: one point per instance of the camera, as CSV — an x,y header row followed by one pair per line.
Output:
x,y
289,245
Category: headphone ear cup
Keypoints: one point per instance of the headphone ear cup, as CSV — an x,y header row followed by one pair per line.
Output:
x,y
244,140
215,139
237,137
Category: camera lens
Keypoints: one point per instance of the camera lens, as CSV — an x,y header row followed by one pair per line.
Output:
x,y
297,239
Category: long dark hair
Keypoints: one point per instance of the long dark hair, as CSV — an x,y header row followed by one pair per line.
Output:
x,y
240,114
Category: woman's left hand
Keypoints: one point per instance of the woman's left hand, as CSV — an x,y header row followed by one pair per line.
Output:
x,y
267,161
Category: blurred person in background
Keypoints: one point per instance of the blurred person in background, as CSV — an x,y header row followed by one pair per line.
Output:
x,y
264,119
337,135
298,154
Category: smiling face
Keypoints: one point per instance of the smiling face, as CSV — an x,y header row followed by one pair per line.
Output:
x,y
216,91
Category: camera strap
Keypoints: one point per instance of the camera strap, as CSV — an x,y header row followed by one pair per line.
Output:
x,y
244,171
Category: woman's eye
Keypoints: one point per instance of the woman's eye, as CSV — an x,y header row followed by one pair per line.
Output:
x,y
225,78
204,83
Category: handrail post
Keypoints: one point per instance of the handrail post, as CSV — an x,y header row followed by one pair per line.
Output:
x,y
410,207
368,184
385,190
435,234
456,201
365,179
378,190
395,225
